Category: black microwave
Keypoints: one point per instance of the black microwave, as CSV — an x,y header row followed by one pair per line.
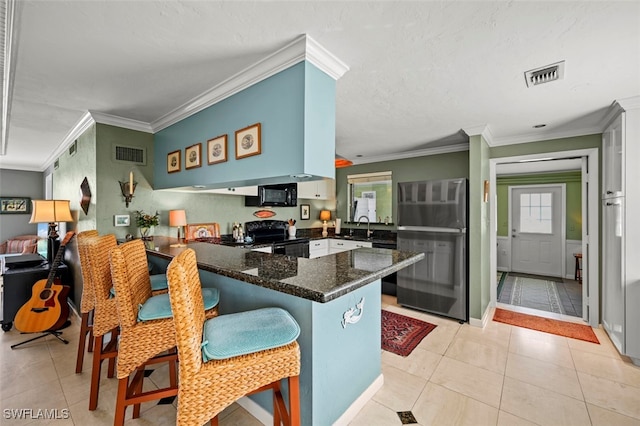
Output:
x,y
282,195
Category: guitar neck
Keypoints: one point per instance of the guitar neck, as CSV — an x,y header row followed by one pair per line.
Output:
x,y
58,259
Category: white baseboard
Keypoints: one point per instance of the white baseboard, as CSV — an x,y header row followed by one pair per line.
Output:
x,y
360,402
262,415
266,418
485,317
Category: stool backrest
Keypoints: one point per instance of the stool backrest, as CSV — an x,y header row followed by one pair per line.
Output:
x,y
88,297
130,272
185,294
105,314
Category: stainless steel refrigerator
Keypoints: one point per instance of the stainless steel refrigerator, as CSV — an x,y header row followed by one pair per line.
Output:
x,y
433,219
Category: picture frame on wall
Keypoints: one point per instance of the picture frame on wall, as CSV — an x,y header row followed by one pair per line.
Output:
x,y
121,220
217,150
173,161
305,212
15,205
193,156
248,141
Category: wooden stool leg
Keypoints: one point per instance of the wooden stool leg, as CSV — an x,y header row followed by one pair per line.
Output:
x,y
118,419
90,348
95,374
84,330
294,400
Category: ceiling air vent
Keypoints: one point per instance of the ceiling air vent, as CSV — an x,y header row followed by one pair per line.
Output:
x,y
129,154
545,74
56,164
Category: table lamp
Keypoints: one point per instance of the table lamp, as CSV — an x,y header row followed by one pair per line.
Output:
x,y
325,215
178,218
51,212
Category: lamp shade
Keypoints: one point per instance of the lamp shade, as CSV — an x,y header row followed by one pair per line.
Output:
x,y
48,211
325,215
177,218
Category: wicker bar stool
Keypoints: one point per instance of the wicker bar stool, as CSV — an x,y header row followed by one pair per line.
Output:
x,y
242,353
147,334
94,260
87,305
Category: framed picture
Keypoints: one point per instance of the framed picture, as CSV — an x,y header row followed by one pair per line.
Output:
x,y
121,220
248,141
201,230
15,205
193,156
305,212
173,162
217,150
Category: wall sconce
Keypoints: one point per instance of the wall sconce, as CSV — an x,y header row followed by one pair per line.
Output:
x,y
128,188
325,215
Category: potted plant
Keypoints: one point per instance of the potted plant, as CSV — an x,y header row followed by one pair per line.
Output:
x,y
145,222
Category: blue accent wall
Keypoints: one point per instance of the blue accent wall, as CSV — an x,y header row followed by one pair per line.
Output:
x,y
297,119
319,122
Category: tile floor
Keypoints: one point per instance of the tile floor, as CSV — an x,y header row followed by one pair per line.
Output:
x,y
459,374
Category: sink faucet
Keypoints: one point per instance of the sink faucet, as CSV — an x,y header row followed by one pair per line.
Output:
x,y
369,232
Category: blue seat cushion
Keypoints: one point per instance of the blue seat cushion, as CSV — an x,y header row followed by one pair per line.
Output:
x,y
159,307
242,333
158,282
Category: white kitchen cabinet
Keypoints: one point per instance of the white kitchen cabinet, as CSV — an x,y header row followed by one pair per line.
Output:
x,y
621,232
241,190
318,248
613,168
324,189
336,246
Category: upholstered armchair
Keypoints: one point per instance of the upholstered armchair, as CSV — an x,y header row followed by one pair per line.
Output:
x,y
22,244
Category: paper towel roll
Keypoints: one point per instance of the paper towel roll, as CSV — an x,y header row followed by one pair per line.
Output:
x,y
338,221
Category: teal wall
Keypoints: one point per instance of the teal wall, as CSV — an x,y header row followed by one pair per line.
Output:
x,y
573,182
441,166
296,110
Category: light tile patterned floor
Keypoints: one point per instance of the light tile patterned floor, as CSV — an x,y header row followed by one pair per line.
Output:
x,y
459,374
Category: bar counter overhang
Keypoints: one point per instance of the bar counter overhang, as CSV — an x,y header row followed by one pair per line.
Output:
x,y
339,341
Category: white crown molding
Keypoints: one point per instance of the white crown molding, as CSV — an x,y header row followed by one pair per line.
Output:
x,y
323,59
617,107
412,154
127,123
482,130
80,127
302,48
545,136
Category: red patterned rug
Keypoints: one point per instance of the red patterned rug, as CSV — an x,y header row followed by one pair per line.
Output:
x,y
401,334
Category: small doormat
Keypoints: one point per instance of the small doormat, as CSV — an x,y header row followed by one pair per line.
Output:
x,y
401,334
547,325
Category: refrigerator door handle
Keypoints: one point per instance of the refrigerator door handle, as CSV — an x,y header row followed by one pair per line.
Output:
x,y
433,229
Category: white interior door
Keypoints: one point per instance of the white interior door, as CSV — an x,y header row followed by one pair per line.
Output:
x,y
537,229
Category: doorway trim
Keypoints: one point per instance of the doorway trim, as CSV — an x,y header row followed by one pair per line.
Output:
x,y
590,224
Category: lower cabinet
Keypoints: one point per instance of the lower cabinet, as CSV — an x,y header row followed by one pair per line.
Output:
x,y
336,246
318,248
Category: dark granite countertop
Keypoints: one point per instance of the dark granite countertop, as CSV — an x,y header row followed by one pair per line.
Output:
x,y
321,279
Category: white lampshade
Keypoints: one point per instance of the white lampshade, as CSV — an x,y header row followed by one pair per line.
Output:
x,y
48,211
177,218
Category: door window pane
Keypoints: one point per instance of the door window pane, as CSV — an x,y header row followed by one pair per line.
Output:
x,y
535,213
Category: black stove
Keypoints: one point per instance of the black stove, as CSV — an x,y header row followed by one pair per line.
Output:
x,y
275,232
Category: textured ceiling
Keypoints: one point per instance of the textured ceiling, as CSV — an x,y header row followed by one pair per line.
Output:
x,y
419,71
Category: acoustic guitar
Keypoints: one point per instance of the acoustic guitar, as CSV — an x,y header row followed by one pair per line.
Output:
x,y
47,309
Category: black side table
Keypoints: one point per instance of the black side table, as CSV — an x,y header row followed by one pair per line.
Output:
x,y
18,283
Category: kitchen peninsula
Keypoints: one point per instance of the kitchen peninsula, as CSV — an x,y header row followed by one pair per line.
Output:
x,y
336,299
